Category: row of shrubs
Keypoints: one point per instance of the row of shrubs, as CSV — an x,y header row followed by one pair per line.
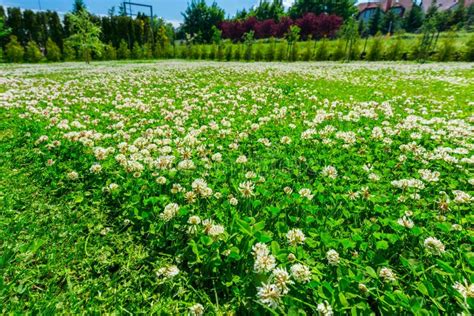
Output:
x,y
373,49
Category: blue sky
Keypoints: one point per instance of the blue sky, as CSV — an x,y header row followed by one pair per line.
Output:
x,y
168,9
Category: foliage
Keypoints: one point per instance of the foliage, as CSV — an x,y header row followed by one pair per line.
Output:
x,y
342,8
123,52
413,20
263,189
32,52
14,52
375,50
199,18
85,35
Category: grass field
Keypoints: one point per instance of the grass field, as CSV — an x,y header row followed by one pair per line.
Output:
x,y
232,188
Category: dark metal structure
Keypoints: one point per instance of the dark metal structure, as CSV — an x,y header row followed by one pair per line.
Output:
x,y
129,12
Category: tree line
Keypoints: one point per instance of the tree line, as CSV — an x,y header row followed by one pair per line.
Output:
x,y
31,36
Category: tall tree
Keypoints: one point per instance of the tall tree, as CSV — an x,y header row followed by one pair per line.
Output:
x,y
342,8
15,23
199,19
85,35
267,9
78,5
414,19
55,28
390,22
375,22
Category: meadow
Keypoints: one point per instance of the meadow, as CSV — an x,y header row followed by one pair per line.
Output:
x,y
237,188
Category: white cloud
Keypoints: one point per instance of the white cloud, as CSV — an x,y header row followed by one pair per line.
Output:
x,y
288,3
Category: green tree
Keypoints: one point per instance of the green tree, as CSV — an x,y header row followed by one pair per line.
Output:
x,y
342,8
85,35
4,31
390,22
199,18
53,52
14,52
349,32
55,28
249,40
375,21
292,37
414,19
216,35
137,51
33,53
267,9
123,52
78,6
14,22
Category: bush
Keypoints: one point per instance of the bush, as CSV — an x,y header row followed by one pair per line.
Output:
x,y
147,51
375,50
469,54
259,56
69,52
445,52
394,51
123,52
270,51
228,52
14,52
32,52
338,53
238,52
281,53
53,53
322,52
110,53
137,51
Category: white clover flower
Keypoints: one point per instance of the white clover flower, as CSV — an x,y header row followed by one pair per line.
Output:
x,y
269,294
461,197
434,246
285,140
306,193
387,275
167,272
333,257
233,201
295,237
196,310
215,231
217,157
161,180
300,273
169,212
405,222
330,172
325,309
264,263
287,190
281,277
95,168
241,159
260,249
465,289
73,175
246,189
428,175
